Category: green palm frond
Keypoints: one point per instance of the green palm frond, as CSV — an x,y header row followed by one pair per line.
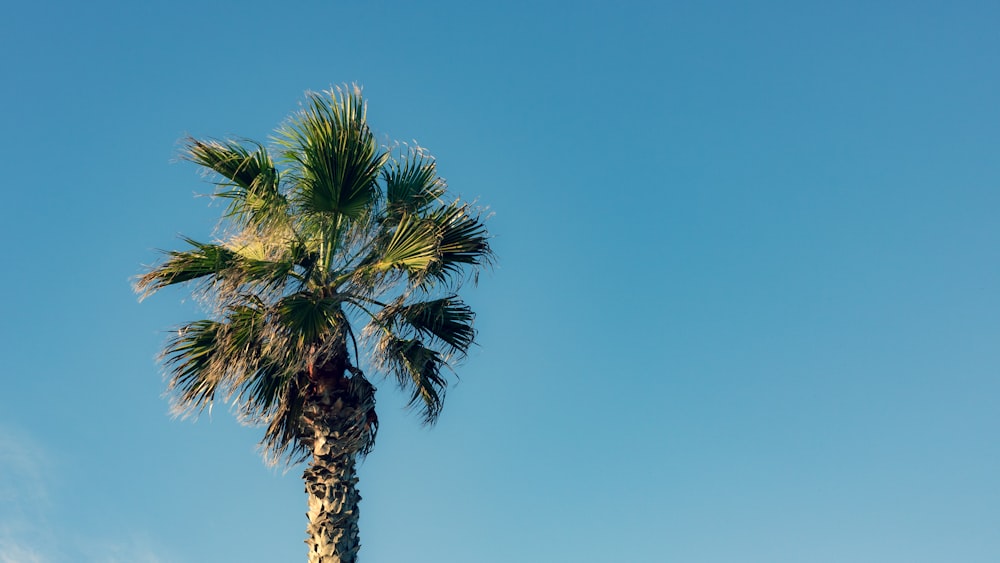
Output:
x,y
189,357
333,155
237,263
310,318
438,245
447,321
464,241
417,369
187,265
207,357
412,184
249,179
412,246
266,267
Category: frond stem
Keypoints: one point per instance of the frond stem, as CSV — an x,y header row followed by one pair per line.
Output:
x,y
354,341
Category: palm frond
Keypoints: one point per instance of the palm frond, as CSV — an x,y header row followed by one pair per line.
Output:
x,y
187,265
190,357
412,184
448,321
284,432
464,241
333,155
249,179
310,318
417,369
235,264
409,245
269,259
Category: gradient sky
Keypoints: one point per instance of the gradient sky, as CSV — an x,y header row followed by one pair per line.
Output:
x,y
746,307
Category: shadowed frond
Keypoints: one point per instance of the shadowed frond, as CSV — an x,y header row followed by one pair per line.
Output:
x,y
285,428
416,369
447,321
310,318
210,357
189,357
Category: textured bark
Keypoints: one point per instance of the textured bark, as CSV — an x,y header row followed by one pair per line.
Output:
x,y
340,415
333,510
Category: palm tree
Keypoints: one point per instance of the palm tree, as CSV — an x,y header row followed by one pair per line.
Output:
x,y
337,258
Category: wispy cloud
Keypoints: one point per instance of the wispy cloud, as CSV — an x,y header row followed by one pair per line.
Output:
x,y
12,552
23,469
28,472
24,498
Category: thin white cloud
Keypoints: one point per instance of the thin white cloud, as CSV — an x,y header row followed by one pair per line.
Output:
x,y
24,498
28,535
12,552
23,469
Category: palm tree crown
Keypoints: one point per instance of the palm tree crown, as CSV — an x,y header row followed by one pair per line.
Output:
x,y
336,256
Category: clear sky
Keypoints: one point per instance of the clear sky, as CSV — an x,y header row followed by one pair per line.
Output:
x,y
746,307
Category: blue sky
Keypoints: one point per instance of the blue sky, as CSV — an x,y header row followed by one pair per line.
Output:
x,y
745,307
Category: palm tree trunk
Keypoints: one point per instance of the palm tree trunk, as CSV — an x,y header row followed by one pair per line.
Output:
x,y
339,412
331,483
